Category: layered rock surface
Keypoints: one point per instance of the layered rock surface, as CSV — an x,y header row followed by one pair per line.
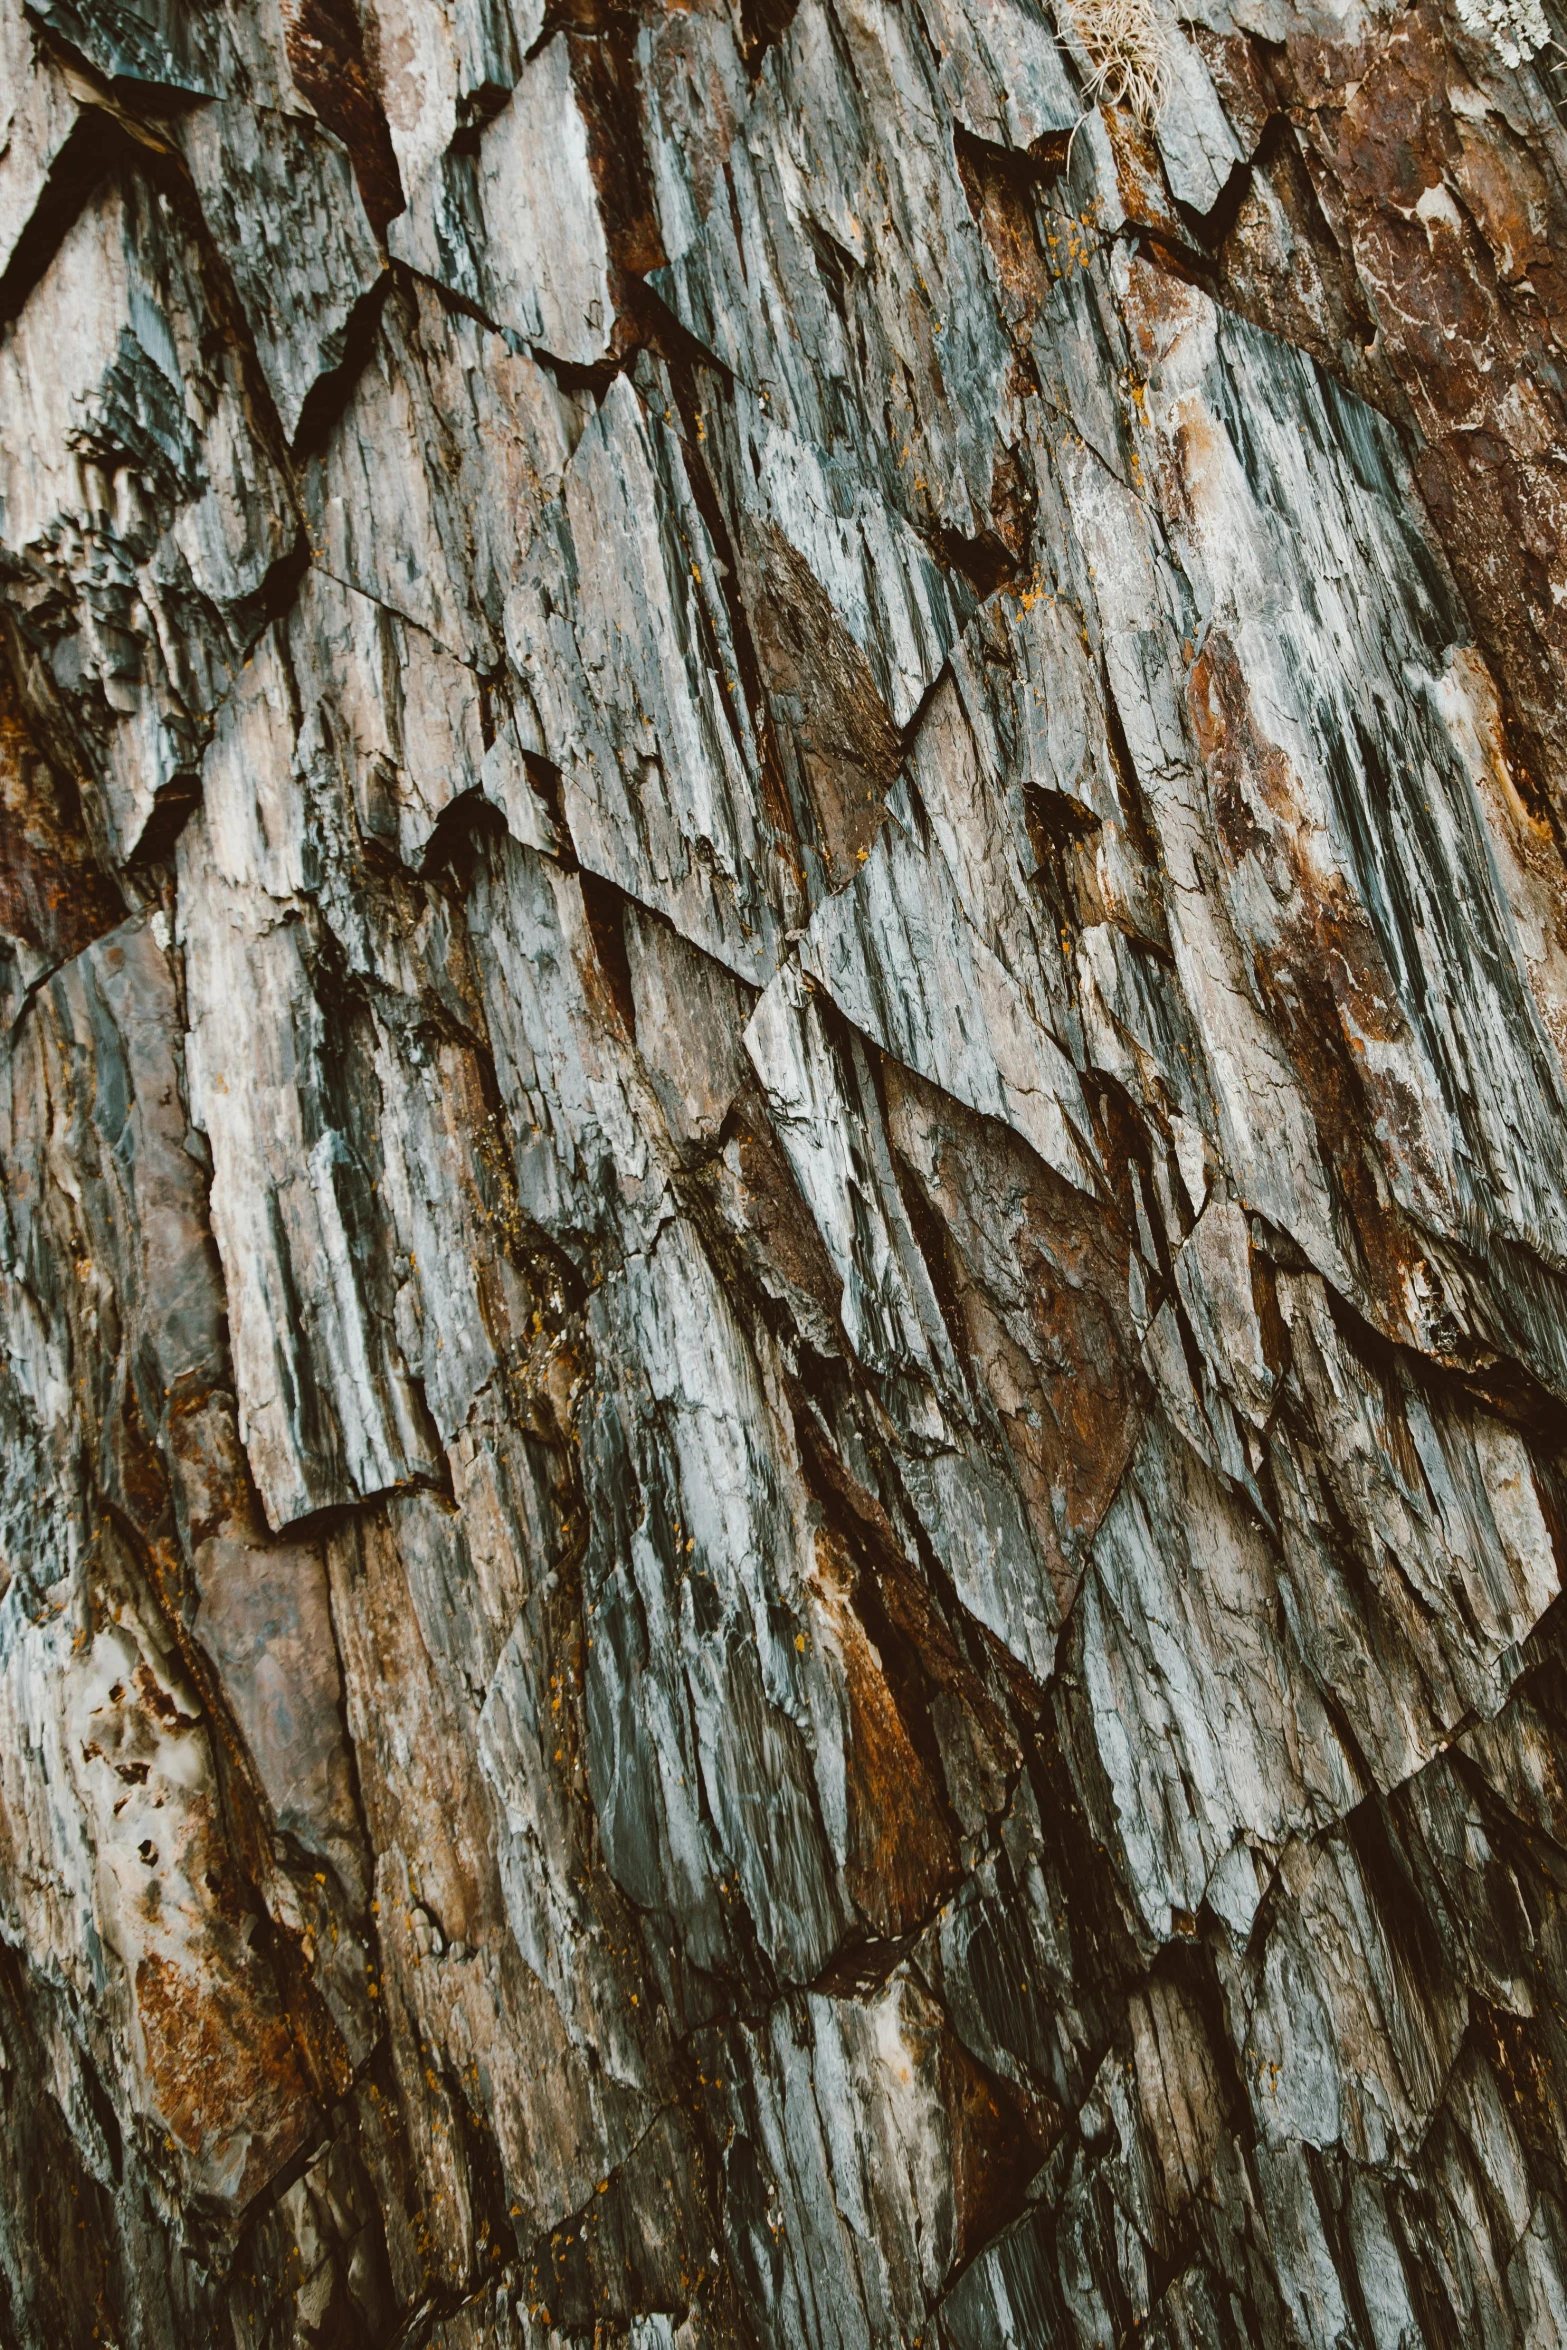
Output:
x,y
783,1179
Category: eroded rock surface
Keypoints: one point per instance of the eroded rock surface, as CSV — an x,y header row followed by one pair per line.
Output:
x,y
783,1179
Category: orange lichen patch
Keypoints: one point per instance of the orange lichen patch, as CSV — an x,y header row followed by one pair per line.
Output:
x,y
902,1850
222,2071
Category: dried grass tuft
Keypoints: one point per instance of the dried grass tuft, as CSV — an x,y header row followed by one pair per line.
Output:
x,y
1127,43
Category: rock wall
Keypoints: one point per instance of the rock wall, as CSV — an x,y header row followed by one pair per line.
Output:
x,y
783,1178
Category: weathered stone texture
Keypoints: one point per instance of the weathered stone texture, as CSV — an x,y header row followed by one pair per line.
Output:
x,y
783,1179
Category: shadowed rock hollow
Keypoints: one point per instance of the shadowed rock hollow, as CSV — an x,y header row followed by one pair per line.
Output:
x,y
783,1177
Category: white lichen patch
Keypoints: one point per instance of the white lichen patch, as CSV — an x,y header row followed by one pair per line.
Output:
x,y
1516,29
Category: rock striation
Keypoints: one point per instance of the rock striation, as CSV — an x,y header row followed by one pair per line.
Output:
x,y
783,1177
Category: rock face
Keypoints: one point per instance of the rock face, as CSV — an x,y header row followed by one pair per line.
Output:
x,y
783,1177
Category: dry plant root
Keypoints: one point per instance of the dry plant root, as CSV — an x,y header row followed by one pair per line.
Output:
x,y
1127,43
